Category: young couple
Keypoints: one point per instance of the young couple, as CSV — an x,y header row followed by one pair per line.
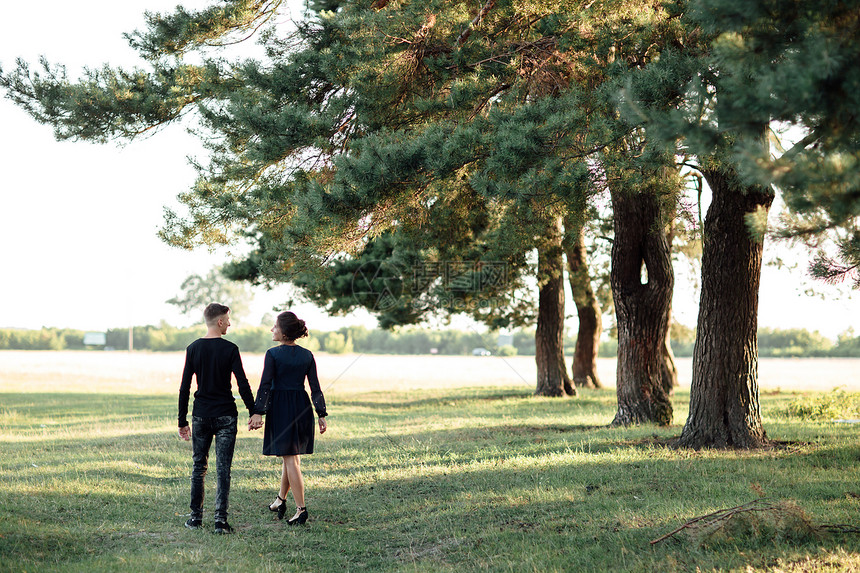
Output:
x,y
289,430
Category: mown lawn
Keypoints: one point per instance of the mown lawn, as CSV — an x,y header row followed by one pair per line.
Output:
x,y
469,479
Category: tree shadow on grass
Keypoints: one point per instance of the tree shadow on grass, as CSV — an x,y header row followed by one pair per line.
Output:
x,y
481,496
397,401
567,514
400,400
73,410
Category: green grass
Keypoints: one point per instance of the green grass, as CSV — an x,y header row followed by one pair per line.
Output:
x,y
836,404
489,479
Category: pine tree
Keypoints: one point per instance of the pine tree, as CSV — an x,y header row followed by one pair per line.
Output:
x,y
744,69
803,57
642,303
584,364
371,116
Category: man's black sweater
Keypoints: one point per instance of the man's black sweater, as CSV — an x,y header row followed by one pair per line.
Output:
x,y
213,360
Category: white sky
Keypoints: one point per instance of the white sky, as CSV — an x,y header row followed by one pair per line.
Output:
x,y
78,244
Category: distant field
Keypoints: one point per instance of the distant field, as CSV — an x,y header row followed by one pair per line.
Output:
x,y
144,372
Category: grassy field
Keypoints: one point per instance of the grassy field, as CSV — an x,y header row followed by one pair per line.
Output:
x,y
438,471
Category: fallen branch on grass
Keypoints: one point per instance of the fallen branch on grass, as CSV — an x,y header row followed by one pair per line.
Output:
x,y
840,528
719,517
785,516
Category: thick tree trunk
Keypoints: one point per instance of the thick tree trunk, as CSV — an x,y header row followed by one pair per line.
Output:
x,y
641,309
584,365
552,378
724,401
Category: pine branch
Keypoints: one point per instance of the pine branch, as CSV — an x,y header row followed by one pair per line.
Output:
x,y
800,145
840,528
253,31
718,517
464,35
543,44
486,100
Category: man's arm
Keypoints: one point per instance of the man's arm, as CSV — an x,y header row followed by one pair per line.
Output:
x,y
242,382
184,394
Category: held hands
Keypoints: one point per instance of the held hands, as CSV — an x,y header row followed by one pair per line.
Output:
x,y
185,433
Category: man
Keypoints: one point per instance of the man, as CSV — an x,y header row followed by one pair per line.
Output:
x,y
212,359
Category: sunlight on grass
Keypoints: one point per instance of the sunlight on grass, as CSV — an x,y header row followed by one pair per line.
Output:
x,y
445,478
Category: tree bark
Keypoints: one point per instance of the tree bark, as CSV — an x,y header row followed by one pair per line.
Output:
x,y
584,366
552,378
724,400
669,370
641,309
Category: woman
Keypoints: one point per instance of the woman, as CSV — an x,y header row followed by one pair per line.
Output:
x,y
289,429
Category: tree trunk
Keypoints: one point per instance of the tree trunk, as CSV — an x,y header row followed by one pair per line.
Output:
x,y
641,309
724,402
584,365
552,378
669,369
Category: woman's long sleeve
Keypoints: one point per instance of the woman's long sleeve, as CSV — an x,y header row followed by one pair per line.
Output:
x,y
316,392
264,393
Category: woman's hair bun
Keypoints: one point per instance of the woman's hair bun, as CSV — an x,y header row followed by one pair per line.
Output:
x,y
292,327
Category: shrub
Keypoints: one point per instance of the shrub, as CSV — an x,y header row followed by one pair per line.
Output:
x,y
251,338
608,348
73,339
312,343
847,344
507,350
823,407
45,339
792,342
337,343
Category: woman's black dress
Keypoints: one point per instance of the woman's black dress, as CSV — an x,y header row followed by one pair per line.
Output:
x,y
289,419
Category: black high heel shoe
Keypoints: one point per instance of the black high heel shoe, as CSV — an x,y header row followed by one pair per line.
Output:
x,y
300,518
281,509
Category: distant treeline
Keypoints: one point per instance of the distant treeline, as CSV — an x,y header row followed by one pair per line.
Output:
x,y
771,342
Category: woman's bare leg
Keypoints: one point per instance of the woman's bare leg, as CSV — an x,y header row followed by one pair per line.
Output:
x,y
285,485
285,480
294,471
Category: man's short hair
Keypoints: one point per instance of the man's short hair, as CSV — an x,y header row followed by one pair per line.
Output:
x,y
213,312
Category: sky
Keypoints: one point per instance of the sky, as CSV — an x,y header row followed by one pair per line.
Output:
x,y
78,247
78,244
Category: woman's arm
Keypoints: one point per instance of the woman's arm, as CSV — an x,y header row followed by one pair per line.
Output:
x,y
264,393
316,392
